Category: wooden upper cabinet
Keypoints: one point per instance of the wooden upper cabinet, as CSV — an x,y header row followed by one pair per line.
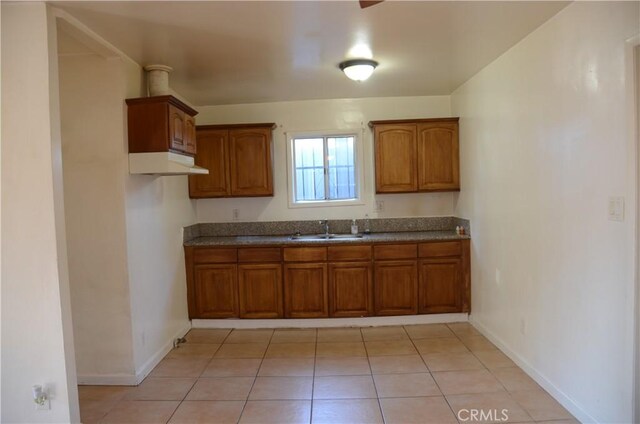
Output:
x,y
213,154
177,138
251,167
395,147
189,134
238,158
160,124
438,156
418,155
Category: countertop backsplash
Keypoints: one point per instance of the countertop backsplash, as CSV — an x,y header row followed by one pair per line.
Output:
x,y
338,226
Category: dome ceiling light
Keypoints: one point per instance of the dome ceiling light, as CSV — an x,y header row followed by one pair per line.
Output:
x,y
358,69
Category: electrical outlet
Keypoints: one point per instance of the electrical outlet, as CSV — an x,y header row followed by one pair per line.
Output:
x,y
235,214
616,209
379,205
498,277
41,398
45,406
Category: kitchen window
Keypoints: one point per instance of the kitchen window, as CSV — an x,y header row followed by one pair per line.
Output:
x,y
325,169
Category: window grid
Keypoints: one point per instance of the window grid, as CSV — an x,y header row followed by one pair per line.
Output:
x,y
337,170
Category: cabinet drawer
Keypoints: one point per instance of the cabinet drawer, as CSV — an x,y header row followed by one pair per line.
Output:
x,y
395,251
439,249
260,254
349,253
305,254
212,256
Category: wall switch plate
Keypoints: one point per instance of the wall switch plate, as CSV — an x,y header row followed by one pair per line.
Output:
x,y
379,205
236,214
616,208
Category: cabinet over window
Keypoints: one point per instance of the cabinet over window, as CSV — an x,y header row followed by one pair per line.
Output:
x,y
419,155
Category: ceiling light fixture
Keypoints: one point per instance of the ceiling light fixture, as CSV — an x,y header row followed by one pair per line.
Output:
x,y
358,69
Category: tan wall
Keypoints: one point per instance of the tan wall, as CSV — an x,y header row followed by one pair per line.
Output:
x,y
94,163
546,141
37,337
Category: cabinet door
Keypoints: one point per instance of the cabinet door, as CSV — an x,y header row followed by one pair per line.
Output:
x,y
176,129
213,154
395,146
438,156
396,287
260,289
251,167
350,289
305,290
189,134
440,287
216,289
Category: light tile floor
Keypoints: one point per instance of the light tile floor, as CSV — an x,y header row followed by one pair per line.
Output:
x,y
411,374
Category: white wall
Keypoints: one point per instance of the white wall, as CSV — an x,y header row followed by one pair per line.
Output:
x,y
95,167
546,140
317,115
37,338
157,209
126,230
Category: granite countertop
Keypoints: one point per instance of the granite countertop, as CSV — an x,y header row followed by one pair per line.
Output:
x,y
406,236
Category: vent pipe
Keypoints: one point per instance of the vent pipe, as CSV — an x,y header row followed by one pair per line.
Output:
x,y
158,79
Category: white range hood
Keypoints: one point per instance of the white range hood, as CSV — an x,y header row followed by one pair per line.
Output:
x,y
163,163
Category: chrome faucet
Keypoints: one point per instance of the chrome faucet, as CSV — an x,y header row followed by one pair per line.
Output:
x,y
325,222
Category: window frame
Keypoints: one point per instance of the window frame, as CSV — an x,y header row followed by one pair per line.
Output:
x,y
357,135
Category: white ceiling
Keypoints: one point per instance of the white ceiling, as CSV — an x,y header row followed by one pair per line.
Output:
x,y
248,52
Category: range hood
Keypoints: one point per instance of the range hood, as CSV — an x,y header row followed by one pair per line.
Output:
x,y
164,163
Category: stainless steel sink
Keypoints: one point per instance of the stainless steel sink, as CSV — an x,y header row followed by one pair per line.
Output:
x,y
326,236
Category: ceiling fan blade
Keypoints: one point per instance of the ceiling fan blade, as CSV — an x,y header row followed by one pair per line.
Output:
x,y
364,3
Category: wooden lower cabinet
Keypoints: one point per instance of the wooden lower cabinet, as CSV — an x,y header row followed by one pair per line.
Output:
x,y
260,290
305,290
215,291
376,279
396,287
440,286
350,289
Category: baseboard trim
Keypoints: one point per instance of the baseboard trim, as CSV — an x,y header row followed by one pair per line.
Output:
x,y
155,359
329,322
140,375
107,380
565,400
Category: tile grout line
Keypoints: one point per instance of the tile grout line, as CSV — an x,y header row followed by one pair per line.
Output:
x,y
264,354
434,379
493,375
198,377
375,387
313,377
